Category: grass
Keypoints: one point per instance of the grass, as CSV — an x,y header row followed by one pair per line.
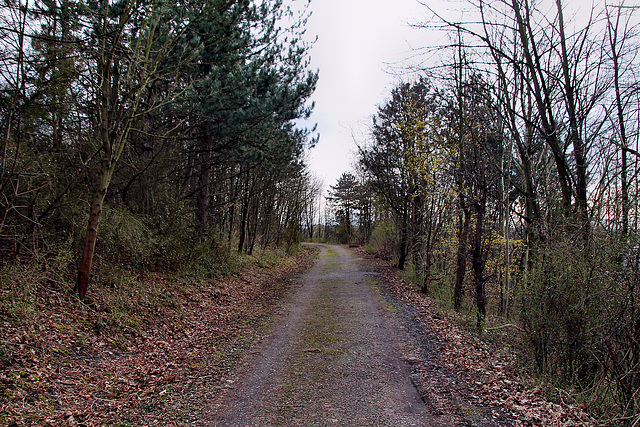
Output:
x,y
376,286
332,253
316,354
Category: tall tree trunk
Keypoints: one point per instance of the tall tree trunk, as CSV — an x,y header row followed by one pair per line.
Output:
x,y
541,95
504,228
579,147
108,142
463,215
16,103
111,147
613,31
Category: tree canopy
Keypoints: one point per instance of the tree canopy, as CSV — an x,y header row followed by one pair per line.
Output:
x,y
173,121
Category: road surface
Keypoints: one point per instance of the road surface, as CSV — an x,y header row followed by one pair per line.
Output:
x,y
341,354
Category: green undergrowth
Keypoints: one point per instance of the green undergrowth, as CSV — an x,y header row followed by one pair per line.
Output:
x,y
505,336
47,279
120,300
317,240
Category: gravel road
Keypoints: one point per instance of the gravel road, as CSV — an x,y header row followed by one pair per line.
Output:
x,y
342,353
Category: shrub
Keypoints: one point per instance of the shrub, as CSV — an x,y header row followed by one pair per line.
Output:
x,y
581,314
383,240
124,239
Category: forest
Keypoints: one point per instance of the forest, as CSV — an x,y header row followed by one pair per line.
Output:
x,y
147,149
168,127
504,182
145,136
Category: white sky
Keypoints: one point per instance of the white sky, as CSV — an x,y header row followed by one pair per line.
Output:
x,y
358,43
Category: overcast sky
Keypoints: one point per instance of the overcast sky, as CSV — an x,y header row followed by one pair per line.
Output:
x,y
358,42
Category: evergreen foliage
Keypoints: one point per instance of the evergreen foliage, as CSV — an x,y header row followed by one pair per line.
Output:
x,y
179,118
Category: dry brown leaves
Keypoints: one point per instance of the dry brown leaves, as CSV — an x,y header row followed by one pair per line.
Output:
x,y
487,370
70,366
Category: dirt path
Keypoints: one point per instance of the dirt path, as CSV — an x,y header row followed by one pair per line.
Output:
x,y
344,353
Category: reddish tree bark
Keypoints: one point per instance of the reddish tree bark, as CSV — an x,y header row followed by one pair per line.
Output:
x,y
92,231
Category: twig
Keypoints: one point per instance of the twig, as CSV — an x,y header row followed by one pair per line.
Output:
x,y
508,325
16,343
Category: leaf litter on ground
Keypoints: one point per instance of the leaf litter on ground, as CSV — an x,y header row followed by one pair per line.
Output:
x,y
157,365
87,364
488,371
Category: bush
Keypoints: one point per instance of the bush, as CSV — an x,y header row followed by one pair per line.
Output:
x,y
383,240
581,314
556,308
124,239
46,274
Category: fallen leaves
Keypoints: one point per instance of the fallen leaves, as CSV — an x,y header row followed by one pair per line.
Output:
x,y
486,371
75,365
89,365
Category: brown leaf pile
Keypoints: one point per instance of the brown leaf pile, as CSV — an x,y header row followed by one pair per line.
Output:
x,y
89,365
487,371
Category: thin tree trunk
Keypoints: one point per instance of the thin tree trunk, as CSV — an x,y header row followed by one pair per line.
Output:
x,y
433,228
243,224
84,271
504,212
202,195
541,94
426,283
254,228
417,237
579,148
268,209
15,104
403,240
5,144
232,209
461,257
463,216
246,200
477,263
624,182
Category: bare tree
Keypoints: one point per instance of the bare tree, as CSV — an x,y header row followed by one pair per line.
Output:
x,y
622,54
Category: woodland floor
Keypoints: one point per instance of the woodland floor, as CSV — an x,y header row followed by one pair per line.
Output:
x,y
344,343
